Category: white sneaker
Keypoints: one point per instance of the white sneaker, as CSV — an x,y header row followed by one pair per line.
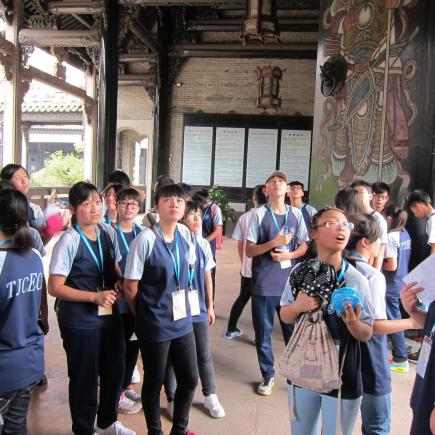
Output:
x,y
135,379
211,403
127,406
170,410
265,387
132,395
116,428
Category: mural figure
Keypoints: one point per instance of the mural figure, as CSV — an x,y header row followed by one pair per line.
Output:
x,y
359,138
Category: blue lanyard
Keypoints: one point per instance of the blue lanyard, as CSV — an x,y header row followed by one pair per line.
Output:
x,y
5,242
192,266
342,272
359,256
176,259
127,247
98,262
275,220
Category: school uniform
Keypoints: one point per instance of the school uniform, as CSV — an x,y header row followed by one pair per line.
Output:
x,y
308,404
375,368
163,327
308,211
240,233
399,247
423,393
201,329
131,346
93,343
269,278
21,338
383,227
36,216
430,228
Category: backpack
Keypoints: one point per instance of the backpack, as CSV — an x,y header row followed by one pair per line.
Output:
x,y
219,238
310,359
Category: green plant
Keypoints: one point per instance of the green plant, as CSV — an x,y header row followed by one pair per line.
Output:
x,y
217,195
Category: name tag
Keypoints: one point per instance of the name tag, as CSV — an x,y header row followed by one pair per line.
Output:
x,y
102,311
285,264
424,356
179,305
194,302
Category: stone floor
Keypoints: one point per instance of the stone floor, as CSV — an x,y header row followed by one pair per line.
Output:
x,y
237,375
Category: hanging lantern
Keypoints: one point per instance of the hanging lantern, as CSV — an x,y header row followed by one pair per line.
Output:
x,y
260,21
268,87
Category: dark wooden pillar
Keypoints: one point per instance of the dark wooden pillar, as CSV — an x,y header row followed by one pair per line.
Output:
x,y
108,94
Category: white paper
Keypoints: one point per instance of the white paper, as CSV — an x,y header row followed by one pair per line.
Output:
x,y
262,148
197,152
230,150
424,276
295,154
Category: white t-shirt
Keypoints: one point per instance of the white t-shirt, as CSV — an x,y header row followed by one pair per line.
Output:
x,y
382,226
430,228
240,233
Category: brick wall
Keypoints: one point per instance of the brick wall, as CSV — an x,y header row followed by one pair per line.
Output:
x,y
219,85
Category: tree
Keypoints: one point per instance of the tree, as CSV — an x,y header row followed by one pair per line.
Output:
x,y
60,169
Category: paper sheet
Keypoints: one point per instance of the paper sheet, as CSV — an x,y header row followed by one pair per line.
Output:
x,y
424,276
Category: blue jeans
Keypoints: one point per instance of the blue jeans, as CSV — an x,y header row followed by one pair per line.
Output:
x,y
376,414
398,339
308,407
263,315
13,411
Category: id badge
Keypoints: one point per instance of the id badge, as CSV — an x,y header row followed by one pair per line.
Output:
x,y
285,264
179,304
102,311
194,302
424,356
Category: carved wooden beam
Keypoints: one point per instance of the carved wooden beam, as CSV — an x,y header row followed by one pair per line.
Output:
x,y
137,57
6,47
146,37
59,38
75,7
148,80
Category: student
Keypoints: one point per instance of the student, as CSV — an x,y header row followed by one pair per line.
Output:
x,y
364,190
201,305
375,369
128,201
296,194
83,275
18,176
21,338
276,236
212,225
423,394
156,285
119,177
330,233
240,233
348,200
109,195
152,217
395,268
419,203
381,195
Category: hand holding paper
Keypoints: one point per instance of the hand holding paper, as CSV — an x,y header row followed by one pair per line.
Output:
x,y
424,276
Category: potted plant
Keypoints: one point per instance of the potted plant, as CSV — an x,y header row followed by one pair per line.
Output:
x,y
217,195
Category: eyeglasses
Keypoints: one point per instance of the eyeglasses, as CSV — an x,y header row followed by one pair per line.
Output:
x,y
295,187
337,225
126,204
380,196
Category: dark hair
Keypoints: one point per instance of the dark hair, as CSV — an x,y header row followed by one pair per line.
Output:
x,y
365,227
162,180
169,191
79,193
192,207
201,196
187,189
347,199
296,183
13,219
418,196
399,217
128,193
116,188
380,187
6,184
362,183
321,212
119,177
258,194
9,170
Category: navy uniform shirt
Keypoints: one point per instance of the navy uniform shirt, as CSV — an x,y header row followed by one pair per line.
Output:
x,y
150,263
268,278
21,338
212,217
72,259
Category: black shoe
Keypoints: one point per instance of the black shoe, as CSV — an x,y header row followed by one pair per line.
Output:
x,y
42,382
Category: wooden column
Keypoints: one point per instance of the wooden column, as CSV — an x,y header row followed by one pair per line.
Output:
x,y
108,94
90,130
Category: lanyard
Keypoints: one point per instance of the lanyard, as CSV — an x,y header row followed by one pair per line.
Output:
x,y
275,220
176,259
98,262
359,256
127,247
342,272
5,242
192,266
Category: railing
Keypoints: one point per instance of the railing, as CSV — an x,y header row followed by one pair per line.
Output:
x,y
42,195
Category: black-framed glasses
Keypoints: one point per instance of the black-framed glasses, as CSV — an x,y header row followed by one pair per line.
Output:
x,y
337,225
128,204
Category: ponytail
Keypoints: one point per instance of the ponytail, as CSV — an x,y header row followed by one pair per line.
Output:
x,y
23,239
399,217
